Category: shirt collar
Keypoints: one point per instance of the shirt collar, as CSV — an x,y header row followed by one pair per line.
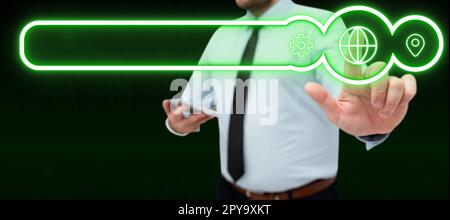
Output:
x,y
275,11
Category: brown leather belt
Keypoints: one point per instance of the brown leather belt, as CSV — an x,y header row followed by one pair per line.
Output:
x,y
298,193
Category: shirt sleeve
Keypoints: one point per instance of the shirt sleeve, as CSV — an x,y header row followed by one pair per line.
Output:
x,y
173,131
373,140
177,133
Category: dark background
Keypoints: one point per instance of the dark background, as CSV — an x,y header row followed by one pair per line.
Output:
x,y
102,136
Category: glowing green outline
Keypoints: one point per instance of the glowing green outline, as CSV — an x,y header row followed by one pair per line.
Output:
x,y
322,60
305,50
407,46
357,45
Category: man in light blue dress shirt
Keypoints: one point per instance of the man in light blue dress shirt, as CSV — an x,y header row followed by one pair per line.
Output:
x,y
294,156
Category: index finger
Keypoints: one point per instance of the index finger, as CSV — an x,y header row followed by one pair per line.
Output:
x,y
378,88
354,54
354,71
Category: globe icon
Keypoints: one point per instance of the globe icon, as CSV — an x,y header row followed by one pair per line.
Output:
x,y
359,47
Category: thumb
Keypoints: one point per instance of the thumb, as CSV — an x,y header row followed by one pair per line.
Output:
x,y
166,107
324,99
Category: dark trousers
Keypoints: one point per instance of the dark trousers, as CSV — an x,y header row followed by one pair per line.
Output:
x,y
225,191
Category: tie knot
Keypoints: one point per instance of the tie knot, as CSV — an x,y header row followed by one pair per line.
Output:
x,y
255,28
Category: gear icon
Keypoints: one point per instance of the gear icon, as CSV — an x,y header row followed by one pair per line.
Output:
x,y
301,45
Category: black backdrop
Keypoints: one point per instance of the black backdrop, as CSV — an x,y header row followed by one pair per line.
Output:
x,y
94,136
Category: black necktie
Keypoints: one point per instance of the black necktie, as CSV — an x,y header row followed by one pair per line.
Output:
x,y
236,129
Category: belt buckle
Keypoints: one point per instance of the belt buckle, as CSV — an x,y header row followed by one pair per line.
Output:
x,y
248,193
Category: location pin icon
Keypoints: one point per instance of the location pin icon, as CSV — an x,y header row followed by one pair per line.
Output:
x,y
415,44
